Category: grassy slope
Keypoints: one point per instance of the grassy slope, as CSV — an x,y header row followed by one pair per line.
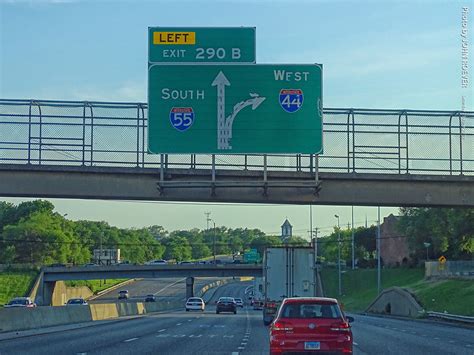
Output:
x,y
453,296
95,285
15,284
359,288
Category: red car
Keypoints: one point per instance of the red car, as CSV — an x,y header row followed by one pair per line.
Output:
x,y
311,324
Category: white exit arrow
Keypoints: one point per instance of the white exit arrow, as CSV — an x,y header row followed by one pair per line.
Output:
x,y
224,125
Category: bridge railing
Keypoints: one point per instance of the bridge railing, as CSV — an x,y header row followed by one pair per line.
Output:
x,y
114,134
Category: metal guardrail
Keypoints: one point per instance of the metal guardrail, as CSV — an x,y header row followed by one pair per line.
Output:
x,y
114,134
454,317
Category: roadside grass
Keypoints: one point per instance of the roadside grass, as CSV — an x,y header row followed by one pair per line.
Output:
x,y
454,296
95,285
15,284
359,288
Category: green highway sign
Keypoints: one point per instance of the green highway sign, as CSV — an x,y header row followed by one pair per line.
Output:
x,y
233,109
174,45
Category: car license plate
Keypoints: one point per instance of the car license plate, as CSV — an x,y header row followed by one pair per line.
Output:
x,y
311,345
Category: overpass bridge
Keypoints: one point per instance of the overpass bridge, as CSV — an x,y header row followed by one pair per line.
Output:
x,y
53,274
98,150
50,275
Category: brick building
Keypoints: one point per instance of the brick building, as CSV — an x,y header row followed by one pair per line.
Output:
x,y
394,249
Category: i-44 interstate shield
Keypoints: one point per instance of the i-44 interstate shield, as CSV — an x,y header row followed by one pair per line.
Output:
x,y
233,109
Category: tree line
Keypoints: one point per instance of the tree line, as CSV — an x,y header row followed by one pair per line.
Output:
x,y
32,232
448,232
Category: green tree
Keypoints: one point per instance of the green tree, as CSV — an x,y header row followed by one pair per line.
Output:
x,y
44,239
450,231
177,248
266,241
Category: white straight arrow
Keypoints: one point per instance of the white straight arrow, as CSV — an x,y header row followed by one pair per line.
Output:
x,y
221,82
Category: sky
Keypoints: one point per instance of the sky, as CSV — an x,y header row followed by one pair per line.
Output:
x,y
390,54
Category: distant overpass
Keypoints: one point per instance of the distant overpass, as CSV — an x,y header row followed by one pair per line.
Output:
x,y
98,150
52,274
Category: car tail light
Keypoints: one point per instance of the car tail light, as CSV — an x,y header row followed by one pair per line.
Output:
x,y
281,326
341,327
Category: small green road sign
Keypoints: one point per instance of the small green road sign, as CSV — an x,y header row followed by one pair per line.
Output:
x,y
252,256
175,45
230,109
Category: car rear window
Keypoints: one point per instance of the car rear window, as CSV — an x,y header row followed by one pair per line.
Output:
x,y
311,310
19,301
194,300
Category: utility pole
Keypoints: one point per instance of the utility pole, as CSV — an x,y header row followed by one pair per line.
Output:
x,y
314,242
339,254
378,250
353,242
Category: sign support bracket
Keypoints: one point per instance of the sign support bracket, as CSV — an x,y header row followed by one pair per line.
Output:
x,y
265,177
213,172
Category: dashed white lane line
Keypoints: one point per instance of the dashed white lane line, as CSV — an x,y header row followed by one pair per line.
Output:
x,y
241,348
451,341
161,330
355,343
86,353
190,320
468,345
179,323
235,353
129,340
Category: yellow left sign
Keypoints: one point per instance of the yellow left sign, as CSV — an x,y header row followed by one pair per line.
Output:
x,y
162,37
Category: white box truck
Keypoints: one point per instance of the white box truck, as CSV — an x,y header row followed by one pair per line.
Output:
x,y
288,272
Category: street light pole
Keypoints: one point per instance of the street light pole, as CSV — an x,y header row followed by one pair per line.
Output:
x,y
214,243
427,245
378,251
339,255
353,246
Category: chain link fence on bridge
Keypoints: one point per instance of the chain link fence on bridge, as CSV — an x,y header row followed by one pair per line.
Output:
x,y
113,134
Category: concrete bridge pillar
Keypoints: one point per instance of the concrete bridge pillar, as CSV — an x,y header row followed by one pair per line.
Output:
x,y
189,287
47,290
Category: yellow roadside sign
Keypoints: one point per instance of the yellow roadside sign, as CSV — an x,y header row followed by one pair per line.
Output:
x,y
442,259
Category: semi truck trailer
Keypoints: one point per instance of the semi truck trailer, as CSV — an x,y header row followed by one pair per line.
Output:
x,y
288,272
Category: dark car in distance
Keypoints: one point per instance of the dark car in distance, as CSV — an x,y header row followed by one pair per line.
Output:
x,y
123,295
226,304
150,298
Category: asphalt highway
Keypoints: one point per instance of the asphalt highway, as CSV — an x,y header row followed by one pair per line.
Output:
x,y
376,335
164,288
180,332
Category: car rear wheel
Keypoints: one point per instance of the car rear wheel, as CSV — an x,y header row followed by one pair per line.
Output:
x,y
235,312
217,312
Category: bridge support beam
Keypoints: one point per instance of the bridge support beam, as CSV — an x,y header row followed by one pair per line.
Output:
x,y
189,287
237,186
47,290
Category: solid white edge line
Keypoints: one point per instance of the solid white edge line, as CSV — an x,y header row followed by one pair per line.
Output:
x,y
129,340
